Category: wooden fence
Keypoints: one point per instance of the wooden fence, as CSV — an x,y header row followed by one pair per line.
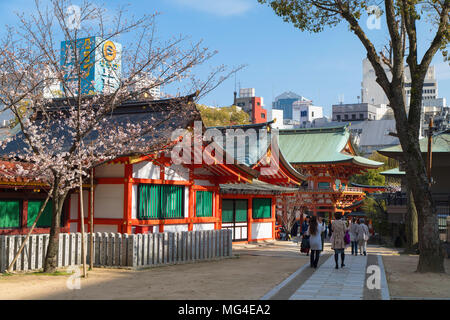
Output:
x,y
115,249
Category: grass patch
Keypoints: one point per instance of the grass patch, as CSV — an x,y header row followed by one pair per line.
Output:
x,y
37,273
6,274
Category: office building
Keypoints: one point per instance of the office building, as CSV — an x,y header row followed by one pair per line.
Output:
x,y
251,104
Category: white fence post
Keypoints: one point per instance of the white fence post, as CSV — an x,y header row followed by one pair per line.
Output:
x,y
2,254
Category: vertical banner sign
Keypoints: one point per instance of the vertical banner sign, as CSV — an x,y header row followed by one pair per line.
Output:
x,y
99,61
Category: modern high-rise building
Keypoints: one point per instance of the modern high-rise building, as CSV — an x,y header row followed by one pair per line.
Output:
x,y
251,104
371,91
285,102
297,108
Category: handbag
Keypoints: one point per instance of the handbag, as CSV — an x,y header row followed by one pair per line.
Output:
x,y
347,237
305,242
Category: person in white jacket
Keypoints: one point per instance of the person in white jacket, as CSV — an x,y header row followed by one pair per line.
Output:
x,y
315,230
354,236
363,236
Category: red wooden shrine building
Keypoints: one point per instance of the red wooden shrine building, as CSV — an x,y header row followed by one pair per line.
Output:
x,y
328,160
148,193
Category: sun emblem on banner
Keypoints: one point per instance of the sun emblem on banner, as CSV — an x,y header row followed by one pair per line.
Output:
x,y
109,51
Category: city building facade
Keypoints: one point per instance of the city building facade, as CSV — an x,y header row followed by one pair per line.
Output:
x,y
252,105
358,112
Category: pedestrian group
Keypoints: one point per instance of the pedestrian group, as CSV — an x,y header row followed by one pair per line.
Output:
x,y
314,231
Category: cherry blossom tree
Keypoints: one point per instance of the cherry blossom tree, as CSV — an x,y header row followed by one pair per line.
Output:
x,y
65,125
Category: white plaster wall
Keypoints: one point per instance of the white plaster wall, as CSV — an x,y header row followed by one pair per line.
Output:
x,y
113,170
176,172
85,203
74,206
134,194
146,170
175,227
155,229
186,202
204,183
203,226
261,230
105,228
109,201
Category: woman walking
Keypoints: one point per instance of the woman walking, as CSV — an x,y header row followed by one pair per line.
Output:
x,y
363,236
305,246
315,231
354,237
337,243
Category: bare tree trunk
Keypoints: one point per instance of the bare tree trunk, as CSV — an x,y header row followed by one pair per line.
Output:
x,y
430,254
51,257
83,242
411,226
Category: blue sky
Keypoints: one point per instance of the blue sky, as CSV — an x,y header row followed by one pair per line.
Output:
x,y
279,57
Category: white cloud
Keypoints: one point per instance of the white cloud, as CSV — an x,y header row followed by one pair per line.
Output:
x,y
218,7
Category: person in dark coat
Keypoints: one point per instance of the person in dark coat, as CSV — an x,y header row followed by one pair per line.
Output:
x,y
294,230
304,247
305,226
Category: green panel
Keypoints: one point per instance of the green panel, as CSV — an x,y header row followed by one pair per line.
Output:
x,y
10,214
323,185
227,210
149,201
261,208
204,204
45,220
241,210
172,201
161,201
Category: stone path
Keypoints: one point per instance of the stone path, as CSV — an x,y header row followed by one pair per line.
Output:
x,y
328,283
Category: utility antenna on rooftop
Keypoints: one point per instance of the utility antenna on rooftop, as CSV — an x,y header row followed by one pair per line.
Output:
x,y
341,98
235,93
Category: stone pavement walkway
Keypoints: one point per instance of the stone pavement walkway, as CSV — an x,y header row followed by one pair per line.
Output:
x,y
328,283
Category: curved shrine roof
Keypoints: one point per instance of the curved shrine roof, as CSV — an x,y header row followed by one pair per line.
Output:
x,y
320,146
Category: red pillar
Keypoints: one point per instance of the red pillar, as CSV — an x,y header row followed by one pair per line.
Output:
x,y
249,219
127,205
274,216
217,211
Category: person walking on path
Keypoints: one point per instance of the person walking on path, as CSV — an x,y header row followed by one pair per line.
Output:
x,y
305,226
305,246
354,236
329,230
315,231
363,236
337,242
